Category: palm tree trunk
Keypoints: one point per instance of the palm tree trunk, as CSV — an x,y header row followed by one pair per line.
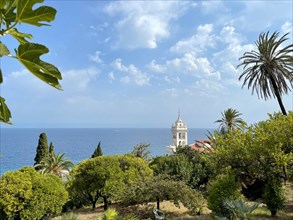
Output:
x,y
277,94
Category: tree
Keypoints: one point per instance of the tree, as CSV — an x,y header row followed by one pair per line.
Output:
x,y
142,151
13,13
55,164
268,70
259,155
107,177
161,188
98,151
42,149
99,177
51,148
26,194
230,120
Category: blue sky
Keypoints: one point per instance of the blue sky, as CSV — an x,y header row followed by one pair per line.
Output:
x,y
136,63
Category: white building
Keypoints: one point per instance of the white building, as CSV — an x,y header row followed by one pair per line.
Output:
x,y
179,135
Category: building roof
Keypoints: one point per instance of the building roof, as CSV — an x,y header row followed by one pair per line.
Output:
x,y
202,146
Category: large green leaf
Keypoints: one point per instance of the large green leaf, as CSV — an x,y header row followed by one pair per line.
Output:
x,y
5,114
3,50
26,14
19,36
29,55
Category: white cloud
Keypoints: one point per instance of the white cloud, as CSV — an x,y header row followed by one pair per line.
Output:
x,y
263,15
79,79
143,24
188,64
134,75
197,43
153,66
96,57
111,76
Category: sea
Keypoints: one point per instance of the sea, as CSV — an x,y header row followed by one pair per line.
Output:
x,y
18,145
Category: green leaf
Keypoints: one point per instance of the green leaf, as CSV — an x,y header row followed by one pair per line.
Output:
x,y
19,36
3,50
9,8
26,14
5,114
29,55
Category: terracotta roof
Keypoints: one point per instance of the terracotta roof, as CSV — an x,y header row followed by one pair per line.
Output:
x,y
202,146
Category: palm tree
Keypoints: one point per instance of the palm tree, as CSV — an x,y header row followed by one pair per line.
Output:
x,y
55,164
268,70
230,120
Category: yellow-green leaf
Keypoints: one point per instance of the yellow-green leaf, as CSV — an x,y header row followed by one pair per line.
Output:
x,y
19,36
3,50
29,55
5,114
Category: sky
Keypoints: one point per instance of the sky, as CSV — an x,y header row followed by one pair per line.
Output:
x,y
135,64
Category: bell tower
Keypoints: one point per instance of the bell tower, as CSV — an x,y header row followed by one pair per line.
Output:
x,y
179,133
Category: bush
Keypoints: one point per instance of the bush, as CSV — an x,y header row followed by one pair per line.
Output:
x,y
222,188
26,194
274,196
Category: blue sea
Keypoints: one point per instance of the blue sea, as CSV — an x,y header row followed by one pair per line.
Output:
x,y
18,145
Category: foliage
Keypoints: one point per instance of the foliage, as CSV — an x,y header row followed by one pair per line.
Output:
x,y
163,188
222,188
107,177
55,164
110,214
274,195
98,151
51,148
259,154
42,149
201,172
268,70
177,166
239,209
230,120
26,194
142,151
14,13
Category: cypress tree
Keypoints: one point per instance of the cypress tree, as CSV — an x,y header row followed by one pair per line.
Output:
x,y
51,148
98,151
42,149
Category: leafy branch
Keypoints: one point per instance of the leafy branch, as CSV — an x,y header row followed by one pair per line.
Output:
x,y
16,12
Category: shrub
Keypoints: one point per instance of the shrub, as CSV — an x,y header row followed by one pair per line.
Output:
x,y
274,196
239,209
222,188
110,214
26,194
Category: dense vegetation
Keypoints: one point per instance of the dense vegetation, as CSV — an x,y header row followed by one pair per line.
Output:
x,y
245,163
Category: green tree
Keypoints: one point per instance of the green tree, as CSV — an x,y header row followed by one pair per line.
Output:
x,y
177,166
107,177
42,149
99,177
51,148
268,70
259,155
13,13
230,120
55,164
98,151
142,151
26,194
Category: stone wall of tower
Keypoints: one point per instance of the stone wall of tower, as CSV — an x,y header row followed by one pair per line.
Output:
x,y
179,133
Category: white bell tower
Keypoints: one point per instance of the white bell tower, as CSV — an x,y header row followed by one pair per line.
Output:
x,y
179,133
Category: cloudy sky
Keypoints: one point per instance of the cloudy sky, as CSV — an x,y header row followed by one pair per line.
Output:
x,y
136,63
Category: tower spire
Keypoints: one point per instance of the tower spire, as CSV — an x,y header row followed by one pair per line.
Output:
x,y
178,113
